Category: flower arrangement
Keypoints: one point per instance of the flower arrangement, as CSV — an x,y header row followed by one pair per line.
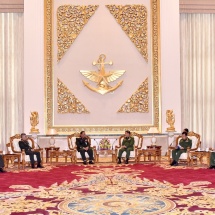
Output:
x,y
104,144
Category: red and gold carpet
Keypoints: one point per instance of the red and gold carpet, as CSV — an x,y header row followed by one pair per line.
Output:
x,y
108,189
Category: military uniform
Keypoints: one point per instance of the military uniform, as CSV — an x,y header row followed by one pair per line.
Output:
x,y
129,143
212,159
81,144
1,162
24,144
176,153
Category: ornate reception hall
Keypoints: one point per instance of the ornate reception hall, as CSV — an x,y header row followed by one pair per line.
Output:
x,y
107,107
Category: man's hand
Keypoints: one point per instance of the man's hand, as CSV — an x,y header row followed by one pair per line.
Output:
x,y
86,148
181,148
124,147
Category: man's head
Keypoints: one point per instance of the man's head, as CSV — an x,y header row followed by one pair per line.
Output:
x,y
127,133
24,136
82,134
186,130
184,135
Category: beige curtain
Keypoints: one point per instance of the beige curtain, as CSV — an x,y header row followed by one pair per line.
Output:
x,y
198,75
11,75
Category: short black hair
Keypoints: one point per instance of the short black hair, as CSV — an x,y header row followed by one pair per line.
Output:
x,y
127,131
23,134
82,132
187,130
185,133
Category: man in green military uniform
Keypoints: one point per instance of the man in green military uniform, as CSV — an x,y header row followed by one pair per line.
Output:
x,y
212,161
127,146
184,143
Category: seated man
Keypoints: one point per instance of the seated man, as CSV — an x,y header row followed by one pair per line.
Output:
x,y
84,146
212,161
184,143
24,144
1,164
186,130
127,146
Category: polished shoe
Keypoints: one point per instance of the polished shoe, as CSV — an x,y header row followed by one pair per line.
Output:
x,y
176,164
211,167
91,162
173,163
85,162
40,166
2,170
119,161
32,166
126,161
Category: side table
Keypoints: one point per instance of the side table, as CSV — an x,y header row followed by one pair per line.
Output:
x,y
12,158
150,152
48,149
64,154
105,153
195,155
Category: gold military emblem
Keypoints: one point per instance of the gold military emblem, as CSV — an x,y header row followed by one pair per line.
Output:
x,y
101,77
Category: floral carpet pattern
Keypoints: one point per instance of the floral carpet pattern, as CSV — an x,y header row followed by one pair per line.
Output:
x,y
109,189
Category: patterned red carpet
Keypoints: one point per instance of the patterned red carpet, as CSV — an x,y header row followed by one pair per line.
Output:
x,y
108,189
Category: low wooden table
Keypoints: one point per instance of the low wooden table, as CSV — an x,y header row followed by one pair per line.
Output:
x,y
49,149
195,155
149,153
105,153
11,157
64,154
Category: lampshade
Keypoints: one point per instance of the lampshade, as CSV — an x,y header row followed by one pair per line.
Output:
x,y
153,130
52,131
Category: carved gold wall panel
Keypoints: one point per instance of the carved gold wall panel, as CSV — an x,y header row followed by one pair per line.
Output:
x,y
70,22
155,69
67,102
133,20
138,102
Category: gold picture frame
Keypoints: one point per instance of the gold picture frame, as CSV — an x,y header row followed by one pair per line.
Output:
x,y
101,129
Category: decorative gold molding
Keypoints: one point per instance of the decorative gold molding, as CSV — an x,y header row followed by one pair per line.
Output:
x,y
71,20
103,129
67,101
138,102
133,20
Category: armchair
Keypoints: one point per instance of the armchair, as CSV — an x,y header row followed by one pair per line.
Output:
x,y
138,142
14,147
71,139
185,157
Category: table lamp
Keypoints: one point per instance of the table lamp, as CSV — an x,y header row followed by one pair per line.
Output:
x,y
52,132
153,131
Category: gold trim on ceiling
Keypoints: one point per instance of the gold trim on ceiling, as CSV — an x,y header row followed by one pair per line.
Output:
x,y
102,129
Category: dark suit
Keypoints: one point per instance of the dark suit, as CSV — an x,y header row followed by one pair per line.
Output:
x,y
1,162
25,145
81,144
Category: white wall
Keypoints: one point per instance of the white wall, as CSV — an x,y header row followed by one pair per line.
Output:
x,y
34,61
170,61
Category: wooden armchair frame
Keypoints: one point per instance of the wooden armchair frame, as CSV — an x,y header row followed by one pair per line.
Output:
x,y
190,134
136,148
23,161
74,148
